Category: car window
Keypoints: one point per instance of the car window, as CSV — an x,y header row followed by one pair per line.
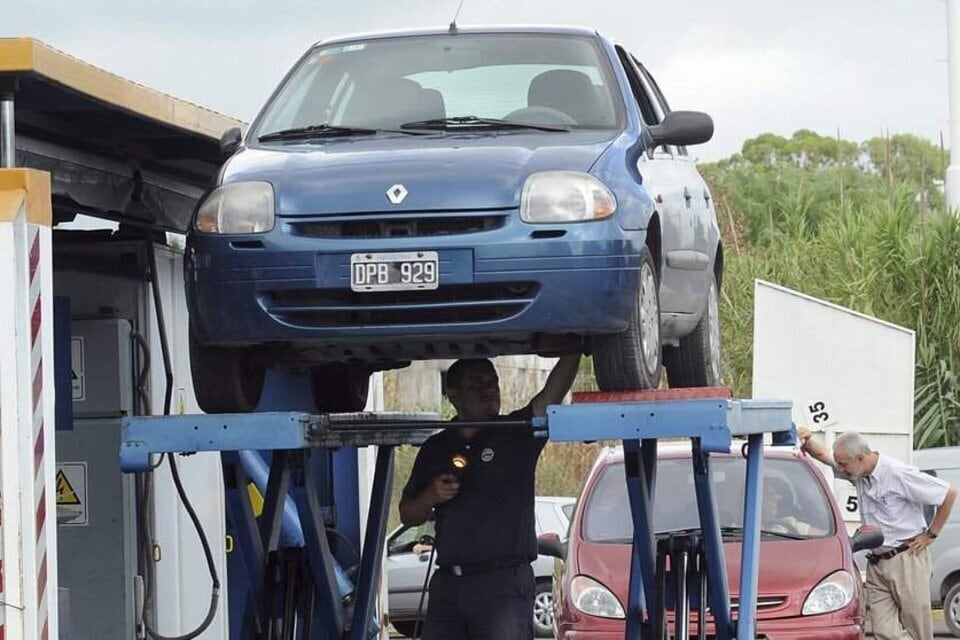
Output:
x,y
548,520
794,502
384,83
661,99
568,511
404,539
644,100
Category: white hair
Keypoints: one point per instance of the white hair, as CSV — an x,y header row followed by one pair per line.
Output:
x,y
851,442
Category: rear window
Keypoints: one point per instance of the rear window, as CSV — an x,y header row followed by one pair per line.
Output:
x,y
794,502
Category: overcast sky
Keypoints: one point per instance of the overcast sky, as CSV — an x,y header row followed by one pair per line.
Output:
x,y
862,66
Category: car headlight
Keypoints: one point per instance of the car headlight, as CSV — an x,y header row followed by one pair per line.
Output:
x,y
832,594
592,598
237,208
565,196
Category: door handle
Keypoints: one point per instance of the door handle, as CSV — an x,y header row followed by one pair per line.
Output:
x,y
706,195
687,196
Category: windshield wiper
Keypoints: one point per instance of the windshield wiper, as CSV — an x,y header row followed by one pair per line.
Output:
x,y
325,131
738,531
470,122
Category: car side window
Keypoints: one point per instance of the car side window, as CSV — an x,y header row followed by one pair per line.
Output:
x,y
651,108
658,94
647,110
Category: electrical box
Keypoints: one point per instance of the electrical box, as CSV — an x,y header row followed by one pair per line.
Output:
x,y
101,368
96,504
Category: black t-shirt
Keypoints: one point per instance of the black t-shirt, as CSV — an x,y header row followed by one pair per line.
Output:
x,y
492,518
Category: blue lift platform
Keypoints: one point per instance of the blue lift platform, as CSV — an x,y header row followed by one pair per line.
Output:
x,y
289,582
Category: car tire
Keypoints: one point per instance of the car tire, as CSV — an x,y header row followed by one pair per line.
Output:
x,y
225,379
543,610
408,628
696,361
951,609
630,360
339,387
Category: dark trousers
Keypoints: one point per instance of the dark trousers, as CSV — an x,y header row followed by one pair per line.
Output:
x,y
493,605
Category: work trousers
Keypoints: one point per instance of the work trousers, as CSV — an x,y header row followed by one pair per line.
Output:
x,y
898,595
493,605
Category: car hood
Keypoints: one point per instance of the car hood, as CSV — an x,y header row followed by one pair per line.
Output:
x,y
450,172
789,570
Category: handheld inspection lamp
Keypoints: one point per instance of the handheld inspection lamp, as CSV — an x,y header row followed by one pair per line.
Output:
x,y
458,464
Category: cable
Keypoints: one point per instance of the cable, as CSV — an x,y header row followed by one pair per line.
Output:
x,y
175,474
418,625
211,566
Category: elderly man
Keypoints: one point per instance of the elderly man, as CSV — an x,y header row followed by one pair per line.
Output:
x,y
892,496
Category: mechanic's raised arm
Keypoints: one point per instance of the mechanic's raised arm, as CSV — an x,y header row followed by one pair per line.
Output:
x,y
818,451
558,384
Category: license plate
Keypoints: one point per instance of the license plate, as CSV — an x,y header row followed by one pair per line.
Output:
x,y
412,270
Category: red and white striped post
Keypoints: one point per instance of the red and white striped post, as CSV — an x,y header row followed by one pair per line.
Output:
x,y
28,558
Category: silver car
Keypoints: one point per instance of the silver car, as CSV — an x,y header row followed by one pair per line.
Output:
x,y
408,553
944,463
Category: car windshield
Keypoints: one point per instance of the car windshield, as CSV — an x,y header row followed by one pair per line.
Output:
x,y
794,504
558,81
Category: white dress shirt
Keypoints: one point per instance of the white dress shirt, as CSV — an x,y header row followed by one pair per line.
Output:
x,y
892,498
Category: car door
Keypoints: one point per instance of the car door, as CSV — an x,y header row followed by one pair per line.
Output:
x,y
664,180
697,198
406,570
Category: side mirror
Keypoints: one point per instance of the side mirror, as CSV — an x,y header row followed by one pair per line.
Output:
x,y
866,538
680,128
548,544
230,141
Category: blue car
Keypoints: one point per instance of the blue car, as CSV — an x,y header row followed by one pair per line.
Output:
x,y
456,193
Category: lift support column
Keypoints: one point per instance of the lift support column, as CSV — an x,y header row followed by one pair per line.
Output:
x,y
28,550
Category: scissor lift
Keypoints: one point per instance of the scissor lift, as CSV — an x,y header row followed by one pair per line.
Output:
x,y
314,600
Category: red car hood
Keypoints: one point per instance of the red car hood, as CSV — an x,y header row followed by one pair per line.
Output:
x,y
789,570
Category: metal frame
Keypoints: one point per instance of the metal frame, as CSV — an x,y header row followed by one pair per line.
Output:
x,y
301,443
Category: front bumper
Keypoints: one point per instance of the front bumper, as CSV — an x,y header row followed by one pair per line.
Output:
x,y
512,284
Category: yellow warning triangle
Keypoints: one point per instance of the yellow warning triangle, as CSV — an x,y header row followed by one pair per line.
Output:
x,y
65,493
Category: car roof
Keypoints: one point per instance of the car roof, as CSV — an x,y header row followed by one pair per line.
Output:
x,y
473,29
937,458
683,449
556,499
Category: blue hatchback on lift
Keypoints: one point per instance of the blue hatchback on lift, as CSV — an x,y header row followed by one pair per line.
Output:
x,y
456,193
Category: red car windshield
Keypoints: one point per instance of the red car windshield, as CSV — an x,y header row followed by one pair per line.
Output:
x,y
794,503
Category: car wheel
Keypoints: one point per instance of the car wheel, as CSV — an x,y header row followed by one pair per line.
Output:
x,y
339,387
408,628
543,610
951,609
225,379
631,360
696,361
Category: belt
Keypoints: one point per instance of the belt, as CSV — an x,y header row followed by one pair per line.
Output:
x,y
474,568
874,558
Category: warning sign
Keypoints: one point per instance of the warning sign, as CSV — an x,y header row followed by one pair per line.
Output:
x,y
78,381
72,494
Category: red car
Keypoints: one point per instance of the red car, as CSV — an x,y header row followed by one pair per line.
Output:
x,y
809,586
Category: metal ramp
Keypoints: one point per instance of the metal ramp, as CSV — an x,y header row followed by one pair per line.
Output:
x,y
668,573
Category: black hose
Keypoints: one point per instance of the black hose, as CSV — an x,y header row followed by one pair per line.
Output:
x,y
168,394
418,624
161,327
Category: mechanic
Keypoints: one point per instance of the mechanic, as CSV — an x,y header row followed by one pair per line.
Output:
x,y
484,586
892,496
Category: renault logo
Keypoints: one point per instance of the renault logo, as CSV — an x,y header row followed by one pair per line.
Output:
x,y
397,193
